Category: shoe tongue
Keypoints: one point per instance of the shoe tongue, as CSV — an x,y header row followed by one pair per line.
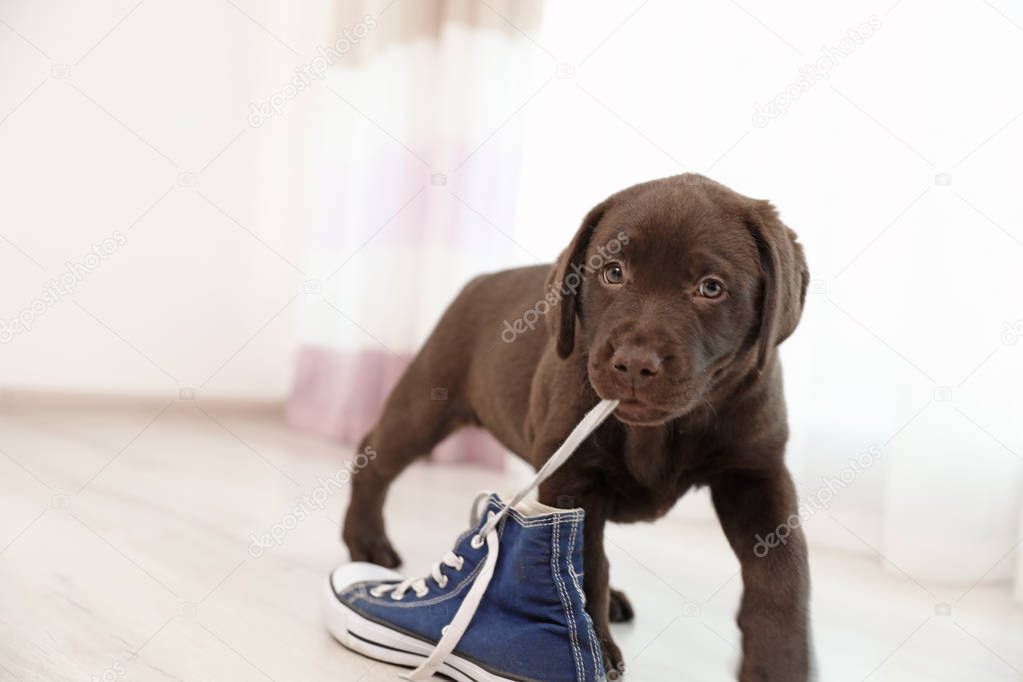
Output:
x,y
527,507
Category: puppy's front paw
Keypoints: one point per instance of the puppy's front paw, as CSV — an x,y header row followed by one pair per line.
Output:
x,y
614,665
377,552
373,547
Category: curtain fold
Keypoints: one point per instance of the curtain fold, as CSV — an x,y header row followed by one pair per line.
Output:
x,y
415,194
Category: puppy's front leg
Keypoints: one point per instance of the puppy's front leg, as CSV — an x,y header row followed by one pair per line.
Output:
x,y
560,491
596,585
757,513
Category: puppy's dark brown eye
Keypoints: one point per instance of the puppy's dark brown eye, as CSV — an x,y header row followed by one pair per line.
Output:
x,y
613,273
711,288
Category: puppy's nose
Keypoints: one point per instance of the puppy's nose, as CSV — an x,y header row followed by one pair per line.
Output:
x,y
636,363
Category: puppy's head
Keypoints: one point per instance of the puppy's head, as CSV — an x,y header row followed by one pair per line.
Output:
x,y
672,286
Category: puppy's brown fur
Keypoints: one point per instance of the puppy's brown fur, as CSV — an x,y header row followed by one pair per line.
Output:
x,y
682,291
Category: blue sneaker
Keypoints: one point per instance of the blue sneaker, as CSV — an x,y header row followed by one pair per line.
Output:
x,y
506,604
529,621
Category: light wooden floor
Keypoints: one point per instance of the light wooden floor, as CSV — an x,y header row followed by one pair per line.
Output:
x,y
124,554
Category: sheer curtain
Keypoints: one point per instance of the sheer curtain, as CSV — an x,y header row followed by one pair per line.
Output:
x,y
418,172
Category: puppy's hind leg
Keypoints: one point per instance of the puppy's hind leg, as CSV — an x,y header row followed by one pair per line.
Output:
x,y
415,418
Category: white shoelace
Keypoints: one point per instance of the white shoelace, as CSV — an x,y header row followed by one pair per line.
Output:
x,y
452,633
418,585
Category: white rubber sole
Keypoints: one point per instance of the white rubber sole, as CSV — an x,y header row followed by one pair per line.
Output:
x,y
384,644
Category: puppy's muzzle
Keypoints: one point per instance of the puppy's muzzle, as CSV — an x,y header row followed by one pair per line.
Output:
x,y
635,366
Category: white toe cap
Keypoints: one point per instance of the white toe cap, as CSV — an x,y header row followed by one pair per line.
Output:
x,y
361,571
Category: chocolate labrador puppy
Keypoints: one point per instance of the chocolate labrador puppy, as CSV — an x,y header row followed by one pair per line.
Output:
x,y
672,297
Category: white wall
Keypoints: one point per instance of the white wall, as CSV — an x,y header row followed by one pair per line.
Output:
x,y
110,112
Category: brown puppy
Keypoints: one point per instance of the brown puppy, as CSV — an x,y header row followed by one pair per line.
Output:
x,y
672,297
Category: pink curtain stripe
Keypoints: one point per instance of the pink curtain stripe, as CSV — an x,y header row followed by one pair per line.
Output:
x,y
339,394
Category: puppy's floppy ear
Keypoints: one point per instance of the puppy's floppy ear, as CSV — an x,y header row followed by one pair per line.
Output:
x,y
785,278
564,282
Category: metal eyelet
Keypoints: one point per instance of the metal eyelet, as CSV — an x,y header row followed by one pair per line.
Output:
x,y
476,542
461,562
443,582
